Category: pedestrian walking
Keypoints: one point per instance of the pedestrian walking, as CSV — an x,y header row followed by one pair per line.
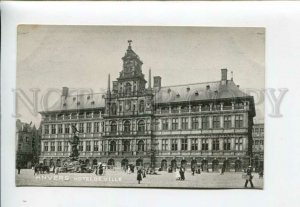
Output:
x,y
139,175
193,170
177,174
223,170
249,177
19,168
144,173
181,171
100,169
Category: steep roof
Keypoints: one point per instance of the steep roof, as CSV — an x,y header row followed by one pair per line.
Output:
x,y
78,102
198,91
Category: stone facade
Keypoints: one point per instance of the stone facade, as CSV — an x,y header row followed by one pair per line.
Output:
x,y
258,146
203,124
27,144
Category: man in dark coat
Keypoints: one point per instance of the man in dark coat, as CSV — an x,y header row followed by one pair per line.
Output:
x,y
19,168
181,171
139,175
249,177
193,170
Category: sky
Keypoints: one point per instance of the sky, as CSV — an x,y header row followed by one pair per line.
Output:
x,y
81,57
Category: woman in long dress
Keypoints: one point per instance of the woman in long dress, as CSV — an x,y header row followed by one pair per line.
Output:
x,y
177,174
139,175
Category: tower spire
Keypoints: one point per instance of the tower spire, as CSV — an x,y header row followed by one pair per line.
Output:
x,y
149,81
108,84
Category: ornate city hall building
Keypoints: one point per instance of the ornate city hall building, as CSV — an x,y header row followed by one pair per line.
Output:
x,y
197,124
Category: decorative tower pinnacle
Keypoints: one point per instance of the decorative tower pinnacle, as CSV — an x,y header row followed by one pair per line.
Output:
x,y
108,84
149,79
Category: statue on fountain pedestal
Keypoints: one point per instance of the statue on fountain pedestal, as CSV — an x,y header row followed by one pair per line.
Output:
x,y
74,143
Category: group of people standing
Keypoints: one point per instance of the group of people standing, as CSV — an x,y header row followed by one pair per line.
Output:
x,y
141,173
99,169
179,172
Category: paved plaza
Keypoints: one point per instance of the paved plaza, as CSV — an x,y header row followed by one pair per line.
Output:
x,y
118,178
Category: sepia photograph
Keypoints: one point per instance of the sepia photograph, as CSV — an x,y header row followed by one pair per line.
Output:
x,y
140,107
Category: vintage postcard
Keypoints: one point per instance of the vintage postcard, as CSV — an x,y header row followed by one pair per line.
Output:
x,y
137,106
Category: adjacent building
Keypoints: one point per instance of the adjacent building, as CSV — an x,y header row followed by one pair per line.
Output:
x,y
258,146
202,124
28,144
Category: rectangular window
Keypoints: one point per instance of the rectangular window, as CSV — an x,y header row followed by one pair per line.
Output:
x,y
67,128
174,123
239,121
46,147
52,146
46,129
184,144
204,144
66,147
88,146
174,145
60,129
96,146
261,130
96,127
194,144
80,146
81,127
195,122
88,127
59,147
19,146
226,144
205,122
164,144
239,144
184,123
156,124
53,129
216,122
165,124
227,122
216,144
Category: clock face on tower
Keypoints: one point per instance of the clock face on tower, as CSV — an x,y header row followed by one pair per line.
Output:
x,y
129,66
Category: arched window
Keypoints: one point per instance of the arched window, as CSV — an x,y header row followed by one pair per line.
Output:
x,y
127,126
112,146
141,126
126,146
113,127
114,109
141,146
142,106
127,88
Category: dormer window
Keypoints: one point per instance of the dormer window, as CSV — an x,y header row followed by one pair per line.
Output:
x,y
188,89
88,98
207,87
177,95
103,96
65,104
169,90
74,99
196,93
78,103
93,102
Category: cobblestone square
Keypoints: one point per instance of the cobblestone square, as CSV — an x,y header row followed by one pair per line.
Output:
x,y
118,178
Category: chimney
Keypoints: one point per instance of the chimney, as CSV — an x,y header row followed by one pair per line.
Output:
x,y
65,92
157,82
224,76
